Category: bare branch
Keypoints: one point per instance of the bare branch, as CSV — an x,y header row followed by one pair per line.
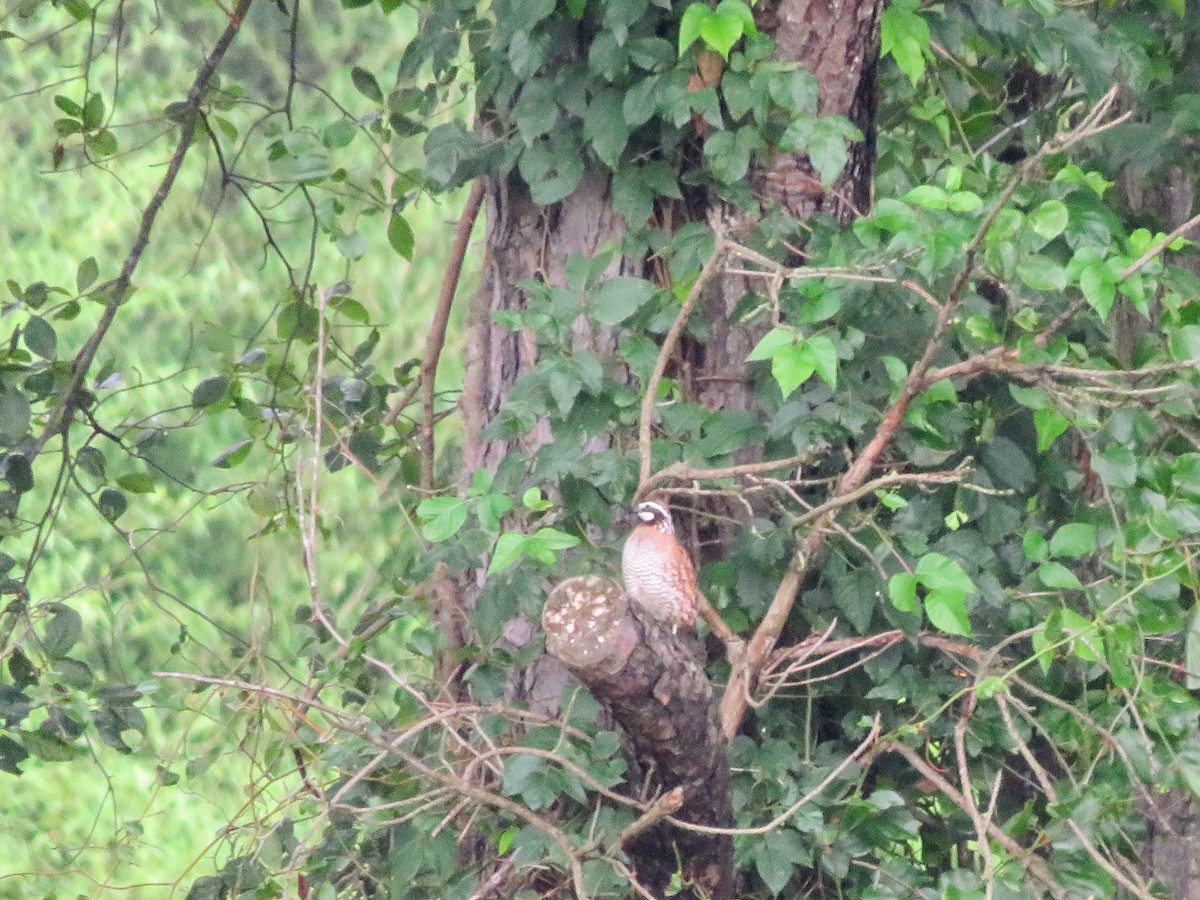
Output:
x,y
650,392
118,292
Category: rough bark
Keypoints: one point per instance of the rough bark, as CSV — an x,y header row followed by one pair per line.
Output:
x,y
1172,850
839,43
652,682
525,240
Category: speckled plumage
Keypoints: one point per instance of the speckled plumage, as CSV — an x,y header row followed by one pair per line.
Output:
x,y
659,575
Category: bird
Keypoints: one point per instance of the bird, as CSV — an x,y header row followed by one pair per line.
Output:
x,y
659,575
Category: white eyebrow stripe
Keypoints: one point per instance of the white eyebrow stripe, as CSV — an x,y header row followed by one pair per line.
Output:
x,y
656,507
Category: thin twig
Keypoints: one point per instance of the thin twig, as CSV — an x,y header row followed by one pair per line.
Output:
x,y
866,744
684,472
660,808
1158,247
738,690
1032,863
650,391
436,339
119,290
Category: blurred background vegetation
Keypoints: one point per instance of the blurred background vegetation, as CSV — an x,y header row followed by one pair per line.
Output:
x,y
199,576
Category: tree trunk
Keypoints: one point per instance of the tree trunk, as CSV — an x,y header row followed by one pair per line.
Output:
x,y
653,683
839,44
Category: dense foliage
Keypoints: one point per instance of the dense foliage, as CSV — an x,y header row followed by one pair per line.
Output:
x,y
234,555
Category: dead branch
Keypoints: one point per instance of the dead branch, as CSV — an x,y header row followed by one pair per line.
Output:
x,y
738,691
436,340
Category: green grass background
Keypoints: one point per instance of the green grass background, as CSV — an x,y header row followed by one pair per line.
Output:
x,y
105,824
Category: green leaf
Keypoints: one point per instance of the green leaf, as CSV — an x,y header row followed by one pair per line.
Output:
x,y
940,573
1042,274
1049,220
48,747
112,504
1035,547
335,136
793,361
91,460
1185,344
1057,576
18,472
232,455
40,337
1192,651
897,371
536,110
904,36
365,84
618,298
776,856
1098,283
62,632
772,342
355,312
1073,539
102,142
927,195
15,416
442,517
1029,397
490,510
791,366
719,28
965,201
828,149
504,840
552,168
210,391
605,127
400,236
533,499
728,153
947,611
1116,466
93,111
69,106
902,591
1041,649
12,755
353,245
824,357
86,274
532,778
1085,642
894,216
544,544
510,547
138,483
1050,424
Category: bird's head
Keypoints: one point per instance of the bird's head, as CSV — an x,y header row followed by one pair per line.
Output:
x,y
655,514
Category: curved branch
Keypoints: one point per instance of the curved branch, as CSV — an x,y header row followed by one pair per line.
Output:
x,y
119,290
744,674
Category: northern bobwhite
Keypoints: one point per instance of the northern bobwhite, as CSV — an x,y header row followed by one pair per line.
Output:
x,y
659,575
